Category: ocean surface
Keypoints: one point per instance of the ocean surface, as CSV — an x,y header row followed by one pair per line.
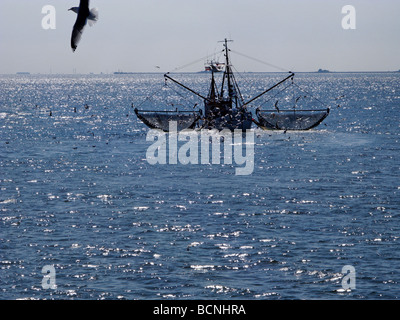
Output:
x,y
79,198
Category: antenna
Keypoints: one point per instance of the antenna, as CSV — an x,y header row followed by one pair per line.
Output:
x,y
226,40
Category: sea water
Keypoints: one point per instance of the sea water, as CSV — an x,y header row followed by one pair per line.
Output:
x,y
78,198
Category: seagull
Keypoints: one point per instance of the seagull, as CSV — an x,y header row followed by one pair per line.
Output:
x,y
84,15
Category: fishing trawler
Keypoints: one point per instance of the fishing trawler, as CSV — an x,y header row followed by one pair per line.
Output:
x,y
225,108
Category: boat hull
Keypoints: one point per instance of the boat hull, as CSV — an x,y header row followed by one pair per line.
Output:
x,y
235,120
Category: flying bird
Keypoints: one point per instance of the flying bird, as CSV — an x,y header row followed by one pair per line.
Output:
x,y
84,16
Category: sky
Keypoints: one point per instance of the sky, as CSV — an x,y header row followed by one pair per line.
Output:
x,y
138,35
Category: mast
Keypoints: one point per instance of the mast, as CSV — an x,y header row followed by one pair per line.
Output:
x,y
228,69
228,72
233,88
211,94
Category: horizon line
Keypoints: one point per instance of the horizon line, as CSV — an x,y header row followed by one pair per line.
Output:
x,y
189,72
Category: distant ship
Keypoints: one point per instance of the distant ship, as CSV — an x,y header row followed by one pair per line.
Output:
x,y
121,72
214,66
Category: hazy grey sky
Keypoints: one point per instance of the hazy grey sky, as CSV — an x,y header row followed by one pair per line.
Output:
x,y
137,35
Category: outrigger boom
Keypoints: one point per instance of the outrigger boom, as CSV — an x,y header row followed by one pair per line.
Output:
x,y
269,89
187,88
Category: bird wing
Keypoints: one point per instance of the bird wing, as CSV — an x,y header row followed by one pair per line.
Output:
x,y
76,37
79,23
84,4
83,10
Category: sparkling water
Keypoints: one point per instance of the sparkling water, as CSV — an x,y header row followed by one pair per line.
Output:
x,y
78,195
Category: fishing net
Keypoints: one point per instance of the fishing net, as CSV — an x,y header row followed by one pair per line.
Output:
x,y
161,119
290,119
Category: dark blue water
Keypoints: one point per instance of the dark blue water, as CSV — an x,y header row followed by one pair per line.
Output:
x,y
77,193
